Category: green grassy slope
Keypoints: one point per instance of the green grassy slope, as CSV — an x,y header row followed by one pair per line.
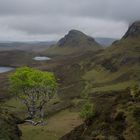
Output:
x,y
58,125
8,127
105,74
117,118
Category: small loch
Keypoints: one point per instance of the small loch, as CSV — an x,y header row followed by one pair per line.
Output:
x,y
41,58
5,69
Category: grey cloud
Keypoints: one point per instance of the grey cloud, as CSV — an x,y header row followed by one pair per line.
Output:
x,y
31,19
115,9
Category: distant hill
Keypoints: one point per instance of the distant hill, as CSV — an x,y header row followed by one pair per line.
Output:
x,y
77,38
105,41
29,46
74,42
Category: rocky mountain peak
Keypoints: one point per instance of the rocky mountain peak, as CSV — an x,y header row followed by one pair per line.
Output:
x,y
133,31
75,32
76,38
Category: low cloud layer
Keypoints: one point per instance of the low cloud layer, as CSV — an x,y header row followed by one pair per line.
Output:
x,y
51,19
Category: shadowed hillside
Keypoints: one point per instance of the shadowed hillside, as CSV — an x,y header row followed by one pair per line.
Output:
x,y
133,31
74,42
76,38
109,73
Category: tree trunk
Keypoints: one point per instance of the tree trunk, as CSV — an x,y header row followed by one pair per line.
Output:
x,y
32,112
42,113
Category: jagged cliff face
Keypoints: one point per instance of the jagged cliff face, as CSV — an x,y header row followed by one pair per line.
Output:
x,y
76,38
133,31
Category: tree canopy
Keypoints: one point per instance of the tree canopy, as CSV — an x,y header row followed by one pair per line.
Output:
x,y
33,87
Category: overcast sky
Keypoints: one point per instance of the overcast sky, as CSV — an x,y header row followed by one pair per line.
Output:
x,y
51,19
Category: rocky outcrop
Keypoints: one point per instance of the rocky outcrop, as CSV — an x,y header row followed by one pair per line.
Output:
x,y
76,38
133,31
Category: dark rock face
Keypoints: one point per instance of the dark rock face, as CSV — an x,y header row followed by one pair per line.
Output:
x,y
133,31
76,38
